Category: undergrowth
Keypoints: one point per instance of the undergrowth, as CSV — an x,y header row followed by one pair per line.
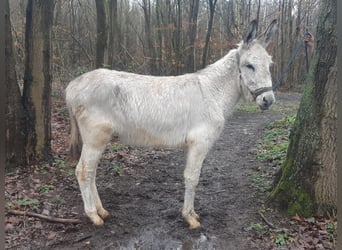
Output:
x,y
275,141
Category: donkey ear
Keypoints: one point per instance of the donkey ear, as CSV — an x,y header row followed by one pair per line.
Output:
x,y
269,32
251,33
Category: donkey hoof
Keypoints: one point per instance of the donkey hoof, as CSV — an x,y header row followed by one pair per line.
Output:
x,y
98,221
103,213
192,219
93,216
193,223
195,215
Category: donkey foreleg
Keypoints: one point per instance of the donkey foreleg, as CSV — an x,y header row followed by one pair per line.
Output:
x,y
195,157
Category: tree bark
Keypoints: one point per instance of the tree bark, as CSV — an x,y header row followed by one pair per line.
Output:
x,y
212,4
258,15
193,15
114,36
178,38
101,35
306,183
37,79
14,112
146,5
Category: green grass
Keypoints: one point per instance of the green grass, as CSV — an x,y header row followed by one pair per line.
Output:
x,y
278,107
116,147
46,188
117,168
273,148
248,107
285,107
261,182
65,167
57,201
257,227
25,202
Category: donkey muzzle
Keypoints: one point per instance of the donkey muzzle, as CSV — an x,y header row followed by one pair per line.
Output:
x,y
265,100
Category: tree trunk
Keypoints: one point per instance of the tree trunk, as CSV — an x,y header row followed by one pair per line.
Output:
x,y
282,36
178,38
114,36
149,36
101,37
258,15
307,181
37,79
193,15
14,112
212,4
159,49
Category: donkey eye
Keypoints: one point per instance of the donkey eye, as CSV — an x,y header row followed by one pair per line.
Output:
x,y
250,66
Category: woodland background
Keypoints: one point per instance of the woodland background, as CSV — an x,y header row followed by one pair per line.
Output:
x,y
165,37
48,43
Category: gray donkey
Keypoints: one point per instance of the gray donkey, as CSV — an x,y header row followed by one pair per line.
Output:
x,y
186,111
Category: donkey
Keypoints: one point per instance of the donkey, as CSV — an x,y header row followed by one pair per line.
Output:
x,y
187,111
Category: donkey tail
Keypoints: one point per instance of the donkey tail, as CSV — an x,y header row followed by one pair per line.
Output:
x,y
75,138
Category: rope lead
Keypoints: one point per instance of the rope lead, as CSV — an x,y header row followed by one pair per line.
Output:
x,y
293,56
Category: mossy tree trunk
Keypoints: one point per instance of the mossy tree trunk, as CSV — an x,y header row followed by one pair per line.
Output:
x,y
15,115
37,78
307,182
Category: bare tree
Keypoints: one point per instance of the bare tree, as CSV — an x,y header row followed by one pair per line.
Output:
x,y
192,32
14,112
101,35
114,36
212,5
37,79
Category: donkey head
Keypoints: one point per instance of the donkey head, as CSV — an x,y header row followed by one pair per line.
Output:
x,y
254,66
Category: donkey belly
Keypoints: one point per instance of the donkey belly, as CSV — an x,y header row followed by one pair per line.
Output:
x,y
152,127
143,137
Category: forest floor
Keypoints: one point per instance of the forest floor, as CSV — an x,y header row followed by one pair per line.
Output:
x,y
142,188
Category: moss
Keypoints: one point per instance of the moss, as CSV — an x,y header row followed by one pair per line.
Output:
x,y
290,196
293,199
301,203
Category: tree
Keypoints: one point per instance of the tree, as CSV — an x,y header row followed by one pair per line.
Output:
x,y
146,6
212,5
114,35
37,78
101,36
307,180
15,116
193,15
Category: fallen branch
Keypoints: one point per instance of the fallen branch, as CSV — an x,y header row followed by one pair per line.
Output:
x,y
45,217
266,221
274,228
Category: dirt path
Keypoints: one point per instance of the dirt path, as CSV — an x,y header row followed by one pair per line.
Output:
x,y
143,191
145,201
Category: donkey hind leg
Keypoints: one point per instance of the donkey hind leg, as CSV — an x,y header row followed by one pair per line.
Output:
x,y
196,154
95,137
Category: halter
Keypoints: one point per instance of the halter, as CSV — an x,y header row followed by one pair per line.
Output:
x,y
254,93
259,91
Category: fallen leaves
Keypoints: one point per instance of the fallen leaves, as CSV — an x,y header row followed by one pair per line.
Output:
x,y
298,233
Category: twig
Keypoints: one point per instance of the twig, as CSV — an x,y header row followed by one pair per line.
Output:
x,y
83,238
45,217
266,221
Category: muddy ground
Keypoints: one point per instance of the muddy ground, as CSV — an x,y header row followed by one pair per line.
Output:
x,y
143,191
